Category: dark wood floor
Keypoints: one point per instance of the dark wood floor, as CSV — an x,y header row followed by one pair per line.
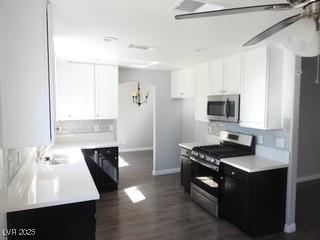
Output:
x,y
168,213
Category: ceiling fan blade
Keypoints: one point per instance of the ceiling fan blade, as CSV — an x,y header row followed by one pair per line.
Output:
x,y
274,29
281,6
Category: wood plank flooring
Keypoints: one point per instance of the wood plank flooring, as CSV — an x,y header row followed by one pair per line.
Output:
x,y
167,212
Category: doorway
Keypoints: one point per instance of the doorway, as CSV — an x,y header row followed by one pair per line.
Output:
x,y
136,123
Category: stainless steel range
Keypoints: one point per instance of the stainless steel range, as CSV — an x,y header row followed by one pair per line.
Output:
x,y
205,167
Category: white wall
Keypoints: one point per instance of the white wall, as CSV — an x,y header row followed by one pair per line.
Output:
x,y
309,122
135,123
3,194
168,117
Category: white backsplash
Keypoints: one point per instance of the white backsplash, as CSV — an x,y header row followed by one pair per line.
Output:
x,y
204,131
15,158
85,126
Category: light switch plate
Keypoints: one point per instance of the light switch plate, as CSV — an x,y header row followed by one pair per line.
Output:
x,y
260,139
96,128
280,142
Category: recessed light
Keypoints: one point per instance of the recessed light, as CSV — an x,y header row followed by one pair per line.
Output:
x,y
144,65
110,39
199,50
141,47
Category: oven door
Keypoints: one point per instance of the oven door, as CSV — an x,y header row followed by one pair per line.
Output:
x,y
205,178
223,108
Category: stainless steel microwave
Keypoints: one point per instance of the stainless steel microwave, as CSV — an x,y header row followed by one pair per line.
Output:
x,y
223,108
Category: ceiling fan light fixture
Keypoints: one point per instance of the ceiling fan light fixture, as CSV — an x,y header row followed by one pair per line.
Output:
x,y
302,38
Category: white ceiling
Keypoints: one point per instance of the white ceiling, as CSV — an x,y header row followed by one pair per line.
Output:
x,y
80,25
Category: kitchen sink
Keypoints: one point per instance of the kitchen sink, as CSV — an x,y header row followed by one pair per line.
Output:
x,y
57,159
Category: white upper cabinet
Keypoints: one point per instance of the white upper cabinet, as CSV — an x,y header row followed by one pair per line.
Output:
x,y
86,91
261,91
81,97
182,83
216,77
225,75
202,86
232,74
106,92
25,96
74,91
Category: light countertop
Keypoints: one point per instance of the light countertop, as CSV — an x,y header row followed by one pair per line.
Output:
x,y
254,163
41,185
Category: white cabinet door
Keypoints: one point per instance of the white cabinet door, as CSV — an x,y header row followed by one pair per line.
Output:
x,y
261,94
106,92
189,82
254,86
25,97
182,83
63,90
81,95
216,77
202,85
177,84
232,74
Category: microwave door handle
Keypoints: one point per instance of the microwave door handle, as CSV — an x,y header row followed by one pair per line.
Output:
x,y
226,108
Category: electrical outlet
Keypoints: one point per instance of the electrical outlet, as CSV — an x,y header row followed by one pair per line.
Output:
x,y
280,142
96,128
260,139
111,127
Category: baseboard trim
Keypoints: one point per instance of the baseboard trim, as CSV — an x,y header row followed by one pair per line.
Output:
x,y
290,228
136,149
308,178
165,171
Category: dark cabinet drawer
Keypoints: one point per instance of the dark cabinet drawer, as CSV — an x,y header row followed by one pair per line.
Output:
x,y
235,173
113,151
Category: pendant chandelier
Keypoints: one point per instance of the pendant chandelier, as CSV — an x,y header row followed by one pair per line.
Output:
x,y
137,97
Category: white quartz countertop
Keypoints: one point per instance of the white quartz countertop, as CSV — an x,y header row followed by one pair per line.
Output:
x,y
254,163
41,185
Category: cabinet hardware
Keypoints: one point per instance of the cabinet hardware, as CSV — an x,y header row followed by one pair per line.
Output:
x,y
233,173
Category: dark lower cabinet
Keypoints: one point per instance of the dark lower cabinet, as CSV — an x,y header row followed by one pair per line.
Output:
x,y
254,202
63,222
103,166
186,173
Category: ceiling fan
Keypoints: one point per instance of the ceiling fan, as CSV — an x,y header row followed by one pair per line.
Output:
x,y
311,9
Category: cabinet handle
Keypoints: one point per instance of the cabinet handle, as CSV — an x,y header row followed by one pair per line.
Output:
x,y
233,173
97,115
221,178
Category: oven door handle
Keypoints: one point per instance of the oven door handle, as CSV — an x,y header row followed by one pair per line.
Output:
x,y
205,164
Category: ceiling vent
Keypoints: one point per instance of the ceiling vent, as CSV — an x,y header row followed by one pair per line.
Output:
x,y
141,47
188,5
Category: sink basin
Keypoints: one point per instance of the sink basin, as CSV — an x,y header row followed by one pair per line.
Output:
x,y
57,159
